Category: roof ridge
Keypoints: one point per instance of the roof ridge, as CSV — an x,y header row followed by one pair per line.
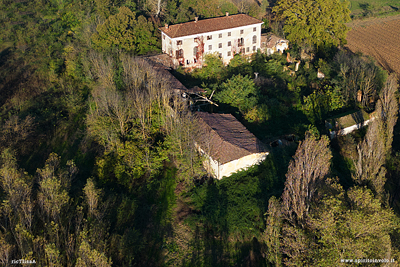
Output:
x,y
228,138
209,25
226,142
208,19
232,118
224,139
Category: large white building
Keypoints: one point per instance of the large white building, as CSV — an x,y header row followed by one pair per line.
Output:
x,y
187,43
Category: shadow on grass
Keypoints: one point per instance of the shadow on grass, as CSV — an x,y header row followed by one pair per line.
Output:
x,y
393,171
230,219
141,220
341,166
294,122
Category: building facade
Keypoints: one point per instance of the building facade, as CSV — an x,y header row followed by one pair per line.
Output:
x,y
188,43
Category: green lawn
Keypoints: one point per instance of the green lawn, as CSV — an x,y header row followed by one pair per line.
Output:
x,y
367,8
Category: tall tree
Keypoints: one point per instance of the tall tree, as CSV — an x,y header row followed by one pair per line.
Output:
x,y
17,207
92,195
52,255
103,8
88,256
272,233
129,121
296,245
369,166
156,7
144,36
239,92
317,22
182,129
15,131
310,165
117,31
5,251
123,31
359,77
53,185
372,152
53,199
351,225
388,109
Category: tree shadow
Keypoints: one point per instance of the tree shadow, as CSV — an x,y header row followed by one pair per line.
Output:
x,y
142,220
4,55
358,117
272,3
210,240
393,171
231,217
251,254
293,122
341,167
367,9
14,75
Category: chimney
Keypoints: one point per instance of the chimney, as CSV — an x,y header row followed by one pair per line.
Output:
x,y
166,26
196,19
227,13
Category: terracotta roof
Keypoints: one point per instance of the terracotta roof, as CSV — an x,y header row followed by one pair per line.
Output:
x,y
161,65
273,41
196,90
209,25
225,139
162,59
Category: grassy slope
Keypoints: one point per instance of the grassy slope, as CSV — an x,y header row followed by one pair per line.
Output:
x,y
365,8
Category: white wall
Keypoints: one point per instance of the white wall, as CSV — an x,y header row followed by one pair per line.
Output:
x,y
220,170
354,127
282,46
169,45
240,164
211,166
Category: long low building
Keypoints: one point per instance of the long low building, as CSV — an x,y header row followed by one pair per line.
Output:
x,y
227,145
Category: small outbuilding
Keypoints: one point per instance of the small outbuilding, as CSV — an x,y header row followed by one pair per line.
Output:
x,y
271,44
227,145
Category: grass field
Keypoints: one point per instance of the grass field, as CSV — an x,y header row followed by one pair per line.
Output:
x,y
368,8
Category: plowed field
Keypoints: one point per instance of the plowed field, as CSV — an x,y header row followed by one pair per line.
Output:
x,y
379,38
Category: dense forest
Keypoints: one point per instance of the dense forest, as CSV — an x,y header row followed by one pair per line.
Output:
x,y
98,165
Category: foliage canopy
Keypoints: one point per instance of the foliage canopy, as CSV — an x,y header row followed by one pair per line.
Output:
x,y
240,92
123,31
127,187
317,22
